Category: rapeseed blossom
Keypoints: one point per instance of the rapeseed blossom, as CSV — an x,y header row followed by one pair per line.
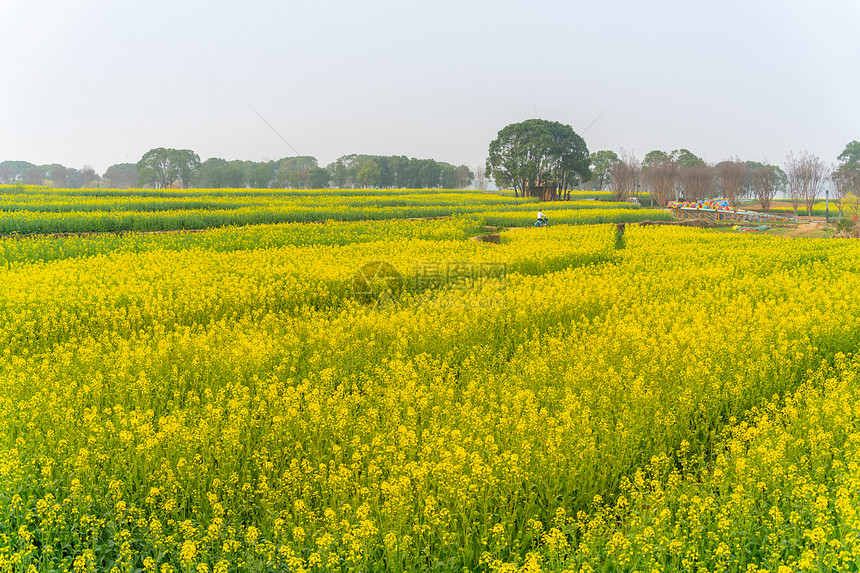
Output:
x,y
215,406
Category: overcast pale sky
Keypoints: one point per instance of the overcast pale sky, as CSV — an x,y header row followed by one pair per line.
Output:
x,y
102,81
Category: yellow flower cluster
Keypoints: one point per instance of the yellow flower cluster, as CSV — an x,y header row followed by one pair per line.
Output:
x,y
210,407
781,493
227,239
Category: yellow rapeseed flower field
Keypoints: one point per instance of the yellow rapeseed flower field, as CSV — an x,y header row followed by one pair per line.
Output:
x,y
34,209
220,401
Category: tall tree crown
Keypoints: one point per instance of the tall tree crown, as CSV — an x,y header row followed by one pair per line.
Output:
x,y
537,154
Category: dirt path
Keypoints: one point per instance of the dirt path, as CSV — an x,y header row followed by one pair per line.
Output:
x,y
813,229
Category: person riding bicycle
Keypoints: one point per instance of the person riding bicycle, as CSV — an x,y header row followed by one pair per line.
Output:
x,y
541,218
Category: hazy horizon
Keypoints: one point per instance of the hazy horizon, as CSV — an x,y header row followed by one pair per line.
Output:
x,y
99,82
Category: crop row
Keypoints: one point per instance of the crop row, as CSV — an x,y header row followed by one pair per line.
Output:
x,y
43,211
231,238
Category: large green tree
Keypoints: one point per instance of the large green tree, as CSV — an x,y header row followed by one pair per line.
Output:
x,y
12,171
261,175
217,173
429,174
601,164
654,157
162,167
846,176
319,178
121,176
36,175
295,172
368,174
538,158
686,158
847,182
464,176
448,176
394,171
850,156
89,177
155,168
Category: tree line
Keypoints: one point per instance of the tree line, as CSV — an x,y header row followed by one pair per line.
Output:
x,y
682,175
121,175
165,167
535,158
545,159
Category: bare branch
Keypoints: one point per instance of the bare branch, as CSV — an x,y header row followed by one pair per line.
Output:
x,y
732,175
661,177
764,179
624,177
806,175
697,182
